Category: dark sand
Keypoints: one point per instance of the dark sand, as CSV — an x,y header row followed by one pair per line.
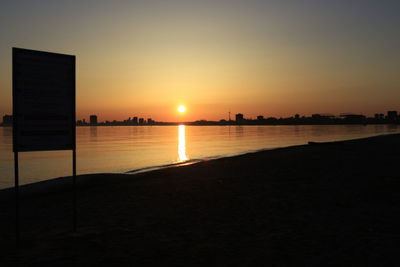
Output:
x,y
332,204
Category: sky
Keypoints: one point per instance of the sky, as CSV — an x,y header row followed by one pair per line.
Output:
x,y
271,58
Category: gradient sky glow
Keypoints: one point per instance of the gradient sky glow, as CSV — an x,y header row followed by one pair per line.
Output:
x,y
275,58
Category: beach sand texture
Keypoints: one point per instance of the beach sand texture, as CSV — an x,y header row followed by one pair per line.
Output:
x,y
328,204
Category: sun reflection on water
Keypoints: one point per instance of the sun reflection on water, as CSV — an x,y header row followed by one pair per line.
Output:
x,y
182,144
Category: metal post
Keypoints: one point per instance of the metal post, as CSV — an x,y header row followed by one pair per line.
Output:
x,y
15,149
73,112
74,188
16,181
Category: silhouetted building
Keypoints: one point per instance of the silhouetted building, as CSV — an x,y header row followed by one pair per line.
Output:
x,y
354,118
7,120
260,117
297,116
392,115
135,120
141,120
93,119
239,117
316,116
150,121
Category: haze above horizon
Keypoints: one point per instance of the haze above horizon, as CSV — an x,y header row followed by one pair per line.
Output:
x,y
274,58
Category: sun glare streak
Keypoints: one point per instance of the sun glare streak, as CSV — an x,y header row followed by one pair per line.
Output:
x,y
182,144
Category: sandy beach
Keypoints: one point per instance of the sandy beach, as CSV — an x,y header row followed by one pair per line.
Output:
x,y
322,204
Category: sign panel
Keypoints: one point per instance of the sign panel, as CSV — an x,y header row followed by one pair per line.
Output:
x,y
43,101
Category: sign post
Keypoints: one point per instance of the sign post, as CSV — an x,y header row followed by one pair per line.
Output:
x,y
43,109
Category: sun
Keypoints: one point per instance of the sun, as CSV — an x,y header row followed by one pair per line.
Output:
x,y
181,109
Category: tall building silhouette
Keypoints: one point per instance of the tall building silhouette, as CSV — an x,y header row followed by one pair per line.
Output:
x,y
93,119
239,117
392,115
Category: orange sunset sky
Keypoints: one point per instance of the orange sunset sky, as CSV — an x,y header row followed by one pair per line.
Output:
x,y
271,58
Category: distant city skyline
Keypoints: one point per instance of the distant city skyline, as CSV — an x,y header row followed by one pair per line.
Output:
x,y
389,117
274,58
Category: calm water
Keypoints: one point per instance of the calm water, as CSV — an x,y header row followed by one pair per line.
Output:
x,y
123,149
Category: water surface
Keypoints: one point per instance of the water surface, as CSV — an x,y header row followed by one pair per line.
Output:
x,y
118,149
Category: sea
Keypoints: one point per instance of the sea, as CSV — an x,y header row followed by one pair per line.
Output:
x,y
133,149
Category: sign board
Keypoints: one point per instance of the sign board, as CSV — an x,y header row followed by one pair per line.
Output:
x,y
43,101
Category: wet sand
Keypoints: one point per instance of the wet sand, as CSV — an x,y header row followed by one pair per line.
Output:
x,y
323,204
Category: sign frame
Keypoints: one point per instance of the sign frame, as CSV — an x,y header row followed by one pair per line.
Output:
x,y
47,116
43,79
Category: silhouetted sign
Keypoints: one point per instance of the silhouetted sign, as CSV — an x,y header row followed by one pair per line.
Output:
x,y
43,100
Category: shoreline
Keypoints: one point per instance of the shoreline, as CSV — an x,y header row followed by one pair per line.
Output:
x,y
63,180
94,165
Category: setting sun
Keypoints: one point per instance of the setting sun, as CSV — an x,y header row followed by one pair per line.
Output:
x,y
181,109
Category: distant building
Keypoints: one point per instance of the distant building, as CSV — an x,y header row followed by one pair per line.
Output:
x,y
150,121
260,117
135,120
392,115
141,121
316,116
7,120
354,118
297,116
93,119
323,116
239,117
